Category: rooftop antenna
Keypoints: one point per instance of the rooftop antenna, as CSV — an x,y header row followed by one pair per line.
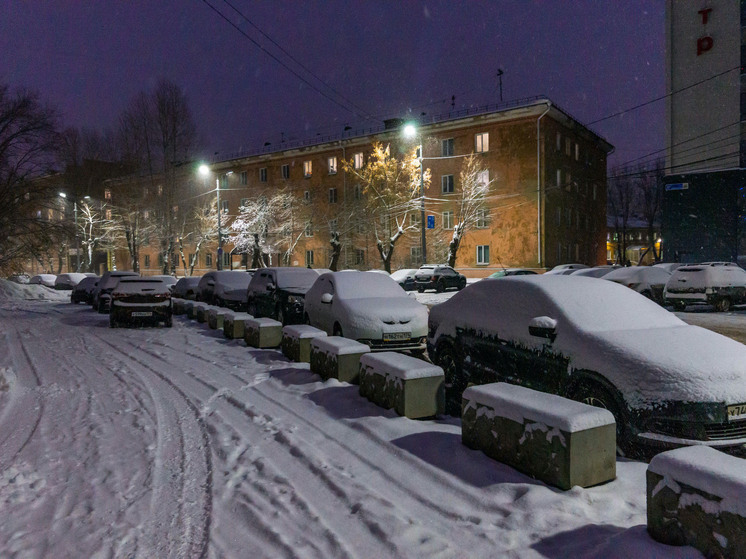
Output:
x,y
500,80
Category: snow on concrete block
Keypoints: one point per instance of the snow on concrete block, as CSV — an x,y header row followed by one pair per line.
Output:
x,y
413,387
216,317
337,357
178,306
559,441
201,310
234,325
296,341
697,497
191,309
262,332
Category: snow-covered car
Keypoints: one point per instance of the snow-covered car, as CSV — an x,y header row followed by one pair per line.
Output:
x,y
46,280
101,299
565,269
370,308
506,272
68,281
646,280
140,300
19,278
170,281
405,278
669,266
83,290
186,288
667,383
225,288
594,272
439,278
279,293
721,284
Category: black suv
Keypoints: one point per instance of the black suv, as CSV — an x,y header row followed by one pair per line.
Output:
x,y
279,293
439,278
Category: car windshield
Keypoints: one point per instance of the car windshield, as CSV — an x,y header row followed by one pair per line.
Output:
x,y
302,278
233,279
132,286
363,285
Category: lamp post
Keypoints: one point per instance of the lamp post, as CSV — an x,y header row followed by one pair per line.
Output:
x,y
204,170
410,131
75,221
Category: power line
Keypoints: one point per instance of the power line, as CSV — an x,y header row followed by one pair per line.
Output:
x,y
281,63
662,96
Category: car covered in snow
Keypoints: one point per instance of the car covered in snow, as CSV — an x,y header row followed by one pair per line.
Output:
x,y
438,277
68,281
667,383
506,272
721,284
594,272
170,281
140,300
279,293
225,288
19,278
370,308
186,288
46,280
83,290
565,269
405,278
101,299
646,280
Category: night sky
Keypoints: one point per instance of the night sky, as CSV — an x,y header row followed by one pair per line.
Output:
x,y
376,59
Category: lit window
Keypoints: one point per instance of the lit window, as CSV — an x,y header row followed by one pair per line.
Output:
x,y
483,254
332,195
107,194
577,152
286,172
145,214
358,160
446,182
448,220
107,214
160,190
482,142
307,168
263,174
483,178
332,165
559,178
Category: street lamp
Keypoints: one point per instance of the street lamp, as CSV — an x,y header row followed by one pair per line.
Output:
x,y
410,131
75,219
204,170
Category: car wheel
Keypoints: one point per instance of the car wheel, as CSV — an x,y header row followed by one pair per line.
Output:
x,y
455,380
420,289
723,304
679,306
337,331
595,394
440,287
461,284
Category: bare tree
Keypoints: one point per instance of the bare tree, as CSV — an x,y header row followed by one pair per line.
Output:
x,y
470,204
391,188
29,144
622,199
650,194
199,227
95,231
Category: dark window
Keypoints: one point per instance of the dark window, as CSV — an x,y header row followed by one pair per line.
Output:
x,y
447,147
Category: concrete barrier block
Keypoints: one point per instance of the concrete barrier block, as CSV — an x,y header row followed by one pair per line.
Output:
x,y
190,310
178,306
559,441
263,332
296,341
337,357
413,387
697,497
234,325
216,317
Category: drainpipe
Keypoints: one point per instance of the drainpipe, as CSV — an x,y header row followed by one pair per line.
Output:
x,y
538,182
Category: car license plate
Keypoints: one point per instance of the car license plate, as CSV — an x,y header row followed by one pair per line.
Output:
x,y
737,411
395,336
142,313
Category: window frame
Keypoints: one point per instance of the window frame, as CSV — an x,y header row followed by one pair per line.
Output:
x,y
482,142
480,254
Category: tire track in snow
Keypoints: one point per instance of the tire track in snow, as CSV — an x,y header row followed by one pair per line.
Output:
x,y
179,482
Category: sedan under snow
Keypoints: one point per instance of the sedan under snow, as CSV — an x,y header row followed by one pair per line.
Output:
x,y
667,383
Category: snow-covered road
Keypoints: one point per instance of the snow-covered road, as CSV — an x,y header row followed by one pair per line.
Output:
x,y
180,443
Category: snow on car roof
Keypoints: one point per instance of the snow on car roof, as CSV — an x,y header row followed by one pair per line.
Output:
x,y
639,274
357,285
402,274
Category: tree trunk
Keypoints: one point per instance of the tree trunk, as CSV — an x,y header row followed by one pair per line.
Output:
x,y
336,251
453,246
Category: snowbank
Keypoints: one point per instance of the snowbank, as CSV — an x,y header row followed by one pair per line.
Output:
x,y
10,291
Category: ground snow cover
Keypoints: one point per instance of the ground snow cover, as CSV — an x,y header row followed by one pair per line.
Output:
x,y
175,442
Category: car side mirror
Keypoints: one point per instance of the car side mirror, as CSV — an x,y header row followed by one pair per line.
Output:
x,y
543,327
270,287
327,298
210,284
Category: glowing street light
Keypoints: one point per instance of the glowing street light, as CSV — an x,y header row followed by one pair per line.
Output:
x,y
410,131
204,170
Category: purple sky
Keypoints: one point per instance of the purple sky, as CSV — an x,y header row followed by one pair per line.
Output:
x,y
386,57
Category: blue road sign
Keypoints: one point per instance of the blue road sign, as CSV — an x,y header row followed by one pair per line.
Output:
x,y
431,222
